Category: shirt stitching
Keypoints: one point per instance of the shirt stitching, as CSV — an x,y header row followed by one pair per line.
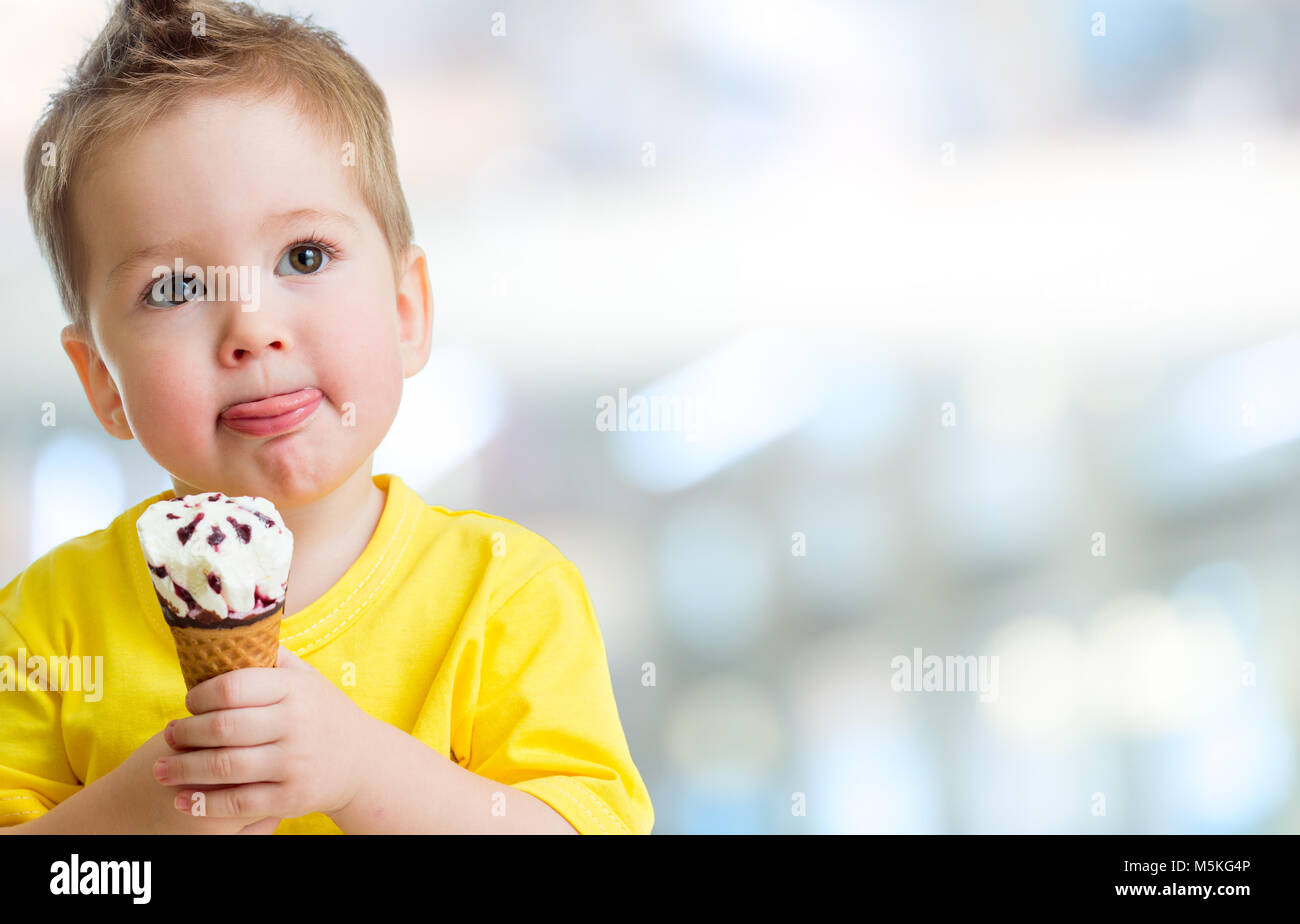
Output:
x,y
380,586
601,802
574,785
578,802
364,580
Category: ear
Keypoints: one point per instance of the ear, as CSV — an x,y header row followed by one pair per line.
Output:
x,y
414,312
101,390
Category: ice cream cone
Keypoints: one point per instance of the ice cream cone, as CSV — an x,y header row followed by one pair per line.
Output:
x,y
220,570
206,652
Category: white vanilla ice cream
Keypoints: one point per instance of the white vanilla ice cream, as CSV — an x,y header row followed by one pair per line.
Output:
x,y
212,556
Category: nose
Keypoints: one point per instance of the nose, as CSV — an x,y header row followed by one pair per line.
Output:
x,y
252,333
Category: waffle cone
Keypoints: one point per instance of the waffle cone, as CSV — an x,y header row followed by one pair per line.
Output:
x,y
204,653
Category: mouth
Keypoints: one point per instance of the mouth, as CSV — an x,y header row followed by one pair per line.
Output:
x,y
273,414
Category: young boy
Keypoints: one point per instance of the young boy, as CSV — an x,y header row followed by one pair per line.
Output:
x,y
439,671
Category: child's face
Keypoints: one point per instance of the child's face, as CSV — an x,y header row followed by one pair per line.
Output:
x,y
215,183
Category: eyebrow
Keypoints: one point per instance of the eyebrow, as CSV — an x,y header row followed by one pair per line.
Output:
x,y
277,220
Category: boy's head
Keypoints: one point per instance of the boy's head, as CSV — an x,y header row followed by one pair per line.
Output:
x,y
251,148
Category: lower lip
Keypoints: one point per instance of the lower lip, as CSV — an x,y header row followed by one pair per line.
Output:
x,y
270,426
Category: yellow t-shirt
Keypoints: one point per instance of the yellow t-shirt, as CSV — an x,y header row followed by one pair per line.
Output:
x,y
464,630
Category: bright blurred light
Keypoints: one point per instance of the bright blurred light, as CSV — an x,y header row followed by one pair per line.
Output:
x,y
1030,786
1015,394
1113,390
879,779
714,576
65,502
992,502
867,404
867,764
1241,403
1040,678
448,412
1228,588
699,808
747,394
851,549
841,678
1227,774
725,734
1149,670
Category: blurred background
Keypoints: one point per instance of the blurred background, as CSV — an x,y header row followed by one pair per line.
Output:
x,y
975,323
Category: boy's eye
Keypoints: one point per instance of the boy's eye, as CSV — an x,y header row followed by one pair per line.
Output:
x,y
302,259
167,293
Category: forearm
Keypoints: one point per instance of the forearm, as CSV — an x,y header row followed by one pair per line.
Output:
x,y
409,788
91,810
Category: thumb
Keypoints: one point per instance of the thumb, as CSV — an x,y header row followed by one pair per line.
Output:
x,y
287,658
261,826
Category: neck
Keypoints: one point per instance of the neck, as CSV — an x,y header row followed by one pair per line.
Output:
x,y
329,534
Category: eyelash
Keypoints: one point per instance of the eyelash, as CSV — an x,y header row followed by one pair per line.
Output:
x,y
331,250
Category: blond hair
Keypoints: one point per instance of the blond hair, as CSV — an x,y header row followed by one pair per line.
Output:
x,y
152,53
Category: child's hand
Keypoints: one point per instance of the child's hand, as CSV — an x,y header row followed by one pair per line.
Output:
x,y
279,742
143,807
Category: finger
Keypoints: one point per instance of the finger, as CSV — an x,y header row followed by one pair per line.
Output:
x,y
193,800
265,826
245,727
248,686
287,658
220,766
255,801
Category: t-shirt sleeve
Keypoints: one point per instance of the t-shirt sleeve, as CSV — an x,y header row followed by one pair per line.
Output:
x,y
34,771
545,721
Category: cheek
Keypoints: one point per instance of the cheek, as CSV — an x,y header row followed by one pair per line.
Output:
x,y
356,354
169,403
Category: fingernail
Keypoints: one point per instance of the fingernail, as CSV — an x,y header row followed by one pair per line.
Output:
x,y
182,802
167,733
160,771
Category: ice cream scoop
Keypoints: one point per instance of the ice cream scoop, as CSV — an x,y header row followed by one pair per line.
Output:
x,y
213,557
220,569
